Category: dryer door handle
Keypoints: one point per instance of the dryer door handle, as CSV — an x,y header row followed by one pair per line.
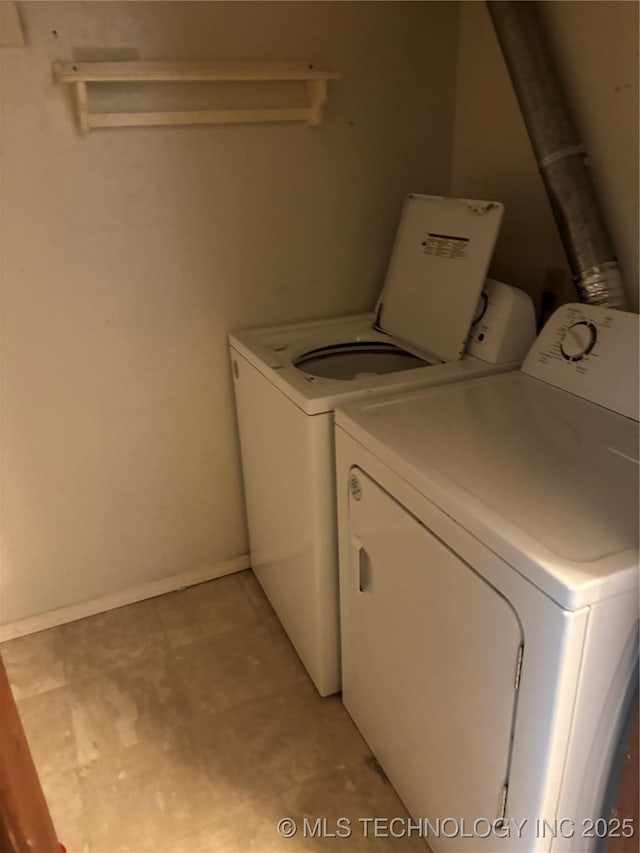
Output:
x,y
364,568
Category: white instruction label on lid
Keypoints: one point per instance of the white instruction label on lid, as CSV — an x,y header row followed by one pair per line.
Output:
x,y
445,246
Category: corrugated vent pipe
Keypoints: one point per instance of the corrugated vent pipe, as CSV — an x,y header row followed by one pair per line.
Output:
x,y
561,158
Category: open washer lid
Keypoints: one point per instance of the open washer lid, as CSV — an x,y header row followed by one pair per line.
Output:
x,y
438,265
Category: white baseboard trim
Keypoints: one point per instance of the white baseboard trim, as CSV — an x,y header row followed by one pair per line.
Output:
x,y
62,615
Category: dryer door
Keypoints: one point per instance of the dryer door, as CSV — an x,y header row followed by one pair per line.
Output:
x,y
430,653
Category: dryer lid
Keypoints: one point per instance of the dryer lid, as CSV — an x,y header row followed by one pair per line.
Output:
x,y
437,269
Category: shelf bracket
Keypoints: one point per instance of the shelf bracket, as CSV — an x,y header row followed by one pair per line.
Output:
x,y
317,96
82,105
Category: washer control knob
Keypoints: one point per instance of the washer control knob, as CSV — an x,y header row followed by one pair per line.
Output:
x,y
578,340
481,308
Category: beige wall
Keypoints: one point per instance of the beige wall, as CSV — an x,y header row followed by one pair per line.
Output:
x,y
127,256
595,47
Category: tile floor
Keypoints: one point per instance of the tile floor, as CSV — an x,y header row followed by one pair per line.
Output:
x,y
186,723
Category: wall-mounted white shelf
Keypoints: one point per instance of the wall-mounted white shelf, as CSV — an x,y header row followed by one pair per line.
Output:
x,y
79,74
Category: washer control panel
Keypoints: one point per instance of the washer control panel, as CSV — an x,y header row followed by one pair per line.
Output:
x,y
504,325
591,351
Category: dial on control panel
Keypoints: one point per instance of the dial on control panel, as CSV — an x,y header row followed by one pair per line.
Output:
x,y
481,308
578,340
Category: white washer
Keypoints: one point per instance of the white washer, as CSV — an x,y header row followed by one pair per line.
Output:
x,y
289,379
489,587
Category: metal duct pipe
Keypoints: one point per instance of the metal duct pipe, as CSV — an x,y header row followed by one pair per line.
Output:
x,y
561,158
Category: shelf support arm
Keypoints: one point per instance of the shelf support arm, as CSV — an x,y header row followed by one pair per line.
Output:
x,y
82,105
317,95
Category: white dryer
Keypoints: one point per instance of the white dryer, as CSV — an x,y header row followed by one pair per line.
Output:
x,y
289,379
489,588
